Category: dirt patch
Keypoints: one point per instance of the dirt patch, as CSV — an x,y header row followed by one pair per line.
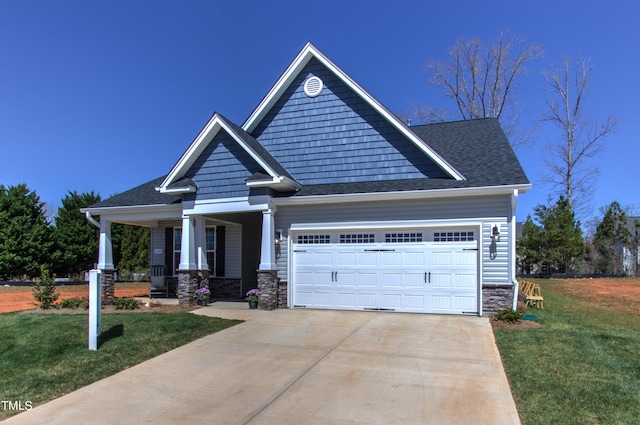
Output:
x,y
16,298
621,294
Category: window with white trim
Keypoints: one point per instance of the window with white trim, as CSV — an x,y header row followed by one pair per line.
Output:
x,y
358,238
402,237
453,237
314,239
210,242
177,246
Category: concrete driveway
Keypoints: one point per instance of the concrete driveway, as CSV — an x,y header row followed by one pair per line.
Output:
x,y
306,367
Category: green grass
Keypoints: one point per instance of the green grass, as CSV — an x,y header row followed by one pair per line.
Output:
x,y
44,356
581,367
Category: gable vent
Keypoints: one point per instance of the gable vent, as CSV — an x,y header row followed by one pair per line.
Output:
x,y
313,86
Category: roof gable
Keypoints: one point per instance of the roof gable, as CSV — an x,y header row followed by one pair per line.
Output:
x,y
291,76
337,137
245,142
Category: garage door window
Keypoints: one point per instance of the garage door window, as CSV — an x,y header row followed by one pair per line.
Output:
x,y
402,237
314,239
358,238
453,237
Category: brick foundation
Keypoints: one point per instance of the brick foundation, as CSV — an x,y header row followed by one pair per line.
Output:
x,y
189,281
283,289
225,288
107,285
496,297
268,287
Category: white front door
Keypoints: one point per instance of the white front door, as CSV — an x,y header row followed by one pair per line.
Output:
x,y
404,273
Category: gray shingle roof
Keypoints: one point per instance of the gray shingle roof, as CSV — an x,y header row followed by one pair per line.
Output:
x,y
145,194
478,149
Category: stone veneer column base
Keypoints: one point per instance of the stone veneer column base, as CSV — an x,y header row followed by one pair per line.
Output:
x,y
496,297
189,281
268,287
107,286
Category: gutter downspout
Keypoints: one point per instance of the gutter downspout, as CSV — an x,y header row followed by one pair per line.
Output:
x,y
516,285
91,220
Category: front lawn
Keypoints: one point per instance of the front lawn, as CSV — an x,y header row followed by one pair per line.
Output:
x,y
44,356
581,367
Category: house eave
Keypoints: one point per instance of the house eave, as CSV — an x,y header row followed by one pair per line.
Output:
x,y
176,190
279,183
137,209
401,195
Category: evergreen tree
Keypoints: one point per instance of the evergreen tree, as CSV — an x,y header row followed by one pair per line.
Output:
x,y
136,243
560,242
611,236
25,234
131,249
76,239
528,247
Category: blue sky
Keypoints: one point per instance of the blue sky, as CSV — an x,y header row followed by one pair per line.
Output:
x,y
106,95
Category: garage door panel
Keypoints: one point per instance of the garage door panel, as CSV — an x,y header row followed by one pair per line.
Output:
x,y
413,280
393,301
440,280
346,258
367,259
441,302
346,299
346,278
391,259
366,300
367,280
464,281
409,276
392,279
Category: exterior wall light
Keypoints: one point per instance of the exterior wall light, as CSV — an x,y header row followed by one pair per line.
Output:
x,y
278,238
495,233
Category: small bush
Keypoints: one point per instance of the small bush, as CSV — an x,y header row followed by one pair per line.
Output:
x,y
74,303
508,315
44,291
125,303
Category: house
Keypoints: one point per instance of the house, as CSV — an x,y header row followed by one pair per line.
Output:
x,y
324,199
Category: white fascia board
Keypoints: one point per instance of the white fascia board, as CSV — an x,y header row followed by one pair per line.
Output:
x,y
146,213
394,196
398,224
280,183
176,190
308,52
199,144
231,205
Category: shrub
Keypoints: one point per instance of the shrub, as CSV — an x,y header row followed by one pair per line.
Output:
x,y
44,291
74,303
125,303
508,315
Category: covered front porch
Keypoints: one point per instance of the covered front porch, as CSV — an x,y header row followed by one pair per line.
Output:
x,y
229,253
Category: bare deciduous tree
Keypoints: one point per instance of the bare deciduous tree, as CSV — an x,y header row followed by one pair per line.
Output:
x,y
581,136
482,79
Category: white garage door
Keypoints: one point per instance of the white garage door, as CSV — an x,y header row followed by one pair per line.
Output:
x,y
417,271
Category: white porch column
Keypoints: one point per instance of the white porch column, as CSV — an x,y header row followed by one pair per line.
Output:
x,y
188,244
267,247
201,243
105,253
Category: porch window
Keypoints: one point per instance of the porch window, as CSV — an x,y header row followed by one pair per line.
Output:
x,y
177,246
211,248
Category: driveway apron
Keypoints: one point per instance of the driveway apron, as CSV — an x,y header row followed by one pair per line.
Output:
x,y
306,367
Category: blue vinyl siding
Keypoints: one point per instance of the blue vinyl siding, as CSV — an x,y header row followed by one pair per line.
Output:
x,y
222,169
336,137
